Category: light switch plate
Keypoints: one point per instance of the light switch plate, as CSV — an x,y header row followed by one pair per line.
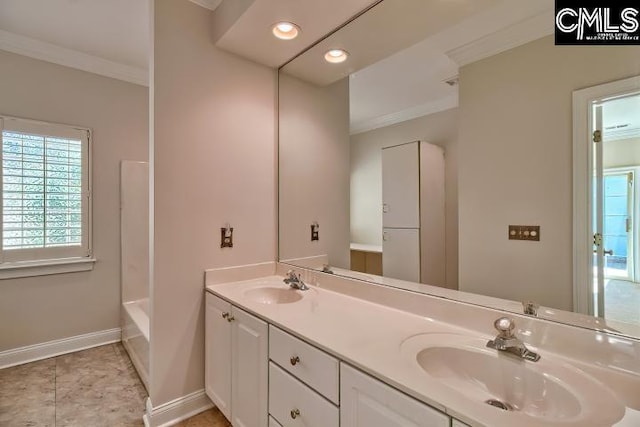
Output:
x,y
226,237
524,232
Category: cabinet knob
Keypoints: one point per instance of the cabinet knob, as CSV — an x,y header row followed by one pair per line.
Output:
x,y
230,318
225,315
295,360
295,413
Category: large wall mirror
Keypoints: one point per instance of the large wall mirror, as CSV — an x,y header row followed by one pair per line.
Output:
x,y
447,123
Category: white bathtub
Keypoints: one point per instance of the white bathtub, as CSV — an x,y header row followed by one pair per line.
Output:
x,y
135,335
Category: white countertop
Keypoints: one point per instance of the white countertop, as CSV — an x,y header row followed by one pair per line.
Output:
x,y
369,336
366,248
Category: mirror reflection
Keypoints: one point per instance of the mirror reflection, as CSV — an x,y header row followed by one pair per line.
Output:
x,y
453,153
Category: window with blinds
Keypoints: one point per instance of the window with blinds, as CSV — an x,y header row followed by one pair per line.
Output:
x,y
45,191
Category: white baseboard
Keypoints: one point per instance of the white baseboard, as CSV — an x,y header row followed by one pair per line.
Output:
x,y
31,353
177,410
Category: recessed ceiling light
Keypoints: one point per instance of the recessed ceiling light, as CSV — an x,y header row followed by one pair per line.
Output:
x,y
286,30
336,56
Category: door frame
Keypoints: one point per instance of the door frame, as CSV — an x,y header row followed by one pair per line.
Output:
x,y
632,208
582,184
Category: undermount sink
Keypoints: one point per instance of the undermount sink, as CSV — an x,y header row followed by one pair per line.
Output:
x,y
550,391
273,295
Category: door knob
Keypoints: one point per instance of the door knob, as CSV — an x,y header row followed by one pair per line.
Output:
x,y
609,252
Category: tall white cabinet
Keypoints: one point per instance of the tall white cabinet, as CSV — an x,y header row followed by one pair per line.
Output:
x,y
236,366
413,217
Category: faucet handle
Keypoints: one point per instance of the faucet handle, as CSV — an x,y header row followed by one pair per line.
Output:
x,y
505,327
530,308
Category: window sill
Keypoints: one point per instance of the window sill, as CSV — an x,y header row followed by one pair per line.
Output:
x,y
13,270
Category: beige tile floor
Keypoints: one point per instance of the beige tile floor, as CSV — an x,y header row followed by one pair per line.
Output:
x,y
92,388
622,301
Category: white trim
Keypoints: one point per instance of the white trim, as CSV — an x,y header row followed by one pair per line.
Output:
x,y
44,51
515,35
436,106
207,4
13,270
177,410
582,181
31,353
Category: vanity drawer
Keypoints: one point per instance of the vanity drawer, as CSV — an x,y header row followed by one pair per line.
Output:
x,y
312,366
293,404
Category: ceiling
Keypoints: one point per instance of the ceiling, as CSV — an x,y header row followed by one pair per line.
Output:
x,y
401,50
411,82
621,118
244,26
110,35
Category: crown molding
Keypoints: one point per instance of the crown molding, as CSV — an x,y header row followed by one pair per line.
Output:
x,y
207,4
441,104
515,35
44,51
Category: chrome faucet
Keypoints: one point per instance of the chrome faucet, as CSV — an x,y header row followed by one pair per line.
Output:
x,y
507,341
294,281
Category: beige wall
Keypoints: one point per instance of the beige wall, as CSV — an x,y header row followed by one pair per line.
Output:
x,y
314,169
515,146
621,153
366,178
214,162
38,309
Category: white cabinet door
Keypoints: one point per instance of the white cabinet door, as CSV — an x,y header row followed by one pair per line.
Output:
x,y
401,253
366,402
401,186
217,365
250,370
293,404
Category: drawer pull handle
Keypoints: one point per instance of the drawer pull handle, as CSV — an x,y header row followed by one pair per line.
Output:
x,y
295,413
225,315
294,360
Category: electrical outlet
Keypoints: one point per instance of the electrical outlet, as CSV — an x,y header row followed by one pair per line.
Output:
x,y
226,237
524,232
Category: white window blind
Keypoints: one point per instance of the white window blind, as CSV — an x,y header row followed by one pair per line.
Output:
x,y
45,191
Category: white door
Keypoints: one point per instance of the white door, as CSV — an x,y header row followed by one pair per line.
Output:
x,y
366,402
598,218
217,367
607,111
401,253
249,349
401,186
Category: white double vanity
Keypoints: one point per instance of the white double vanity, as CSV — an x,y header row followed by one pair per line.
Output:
x,y
354,354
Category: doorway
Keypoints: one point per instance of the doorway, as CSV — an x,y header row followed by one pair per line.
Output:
x,y
607,160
